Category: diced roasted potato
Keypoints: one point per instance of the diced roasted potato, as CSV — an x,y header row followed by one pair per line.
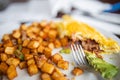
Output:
x,y
47,67
64,41
34,51
41,48
57,76
33,44
77,71
13,61
19,41
6,37
63,64
9,50
30,61
3,67
25,50
47,52
45,76
52,34
32,69
3,57
57,44
43,34
16,34
1,44
43,23
23,65
28,56
11,72
40,60
23,27
1,50
25,42
8,43
51,46
56,57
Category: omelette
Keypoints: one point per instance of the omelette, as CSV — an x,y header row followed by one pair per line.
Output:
x,y
88,35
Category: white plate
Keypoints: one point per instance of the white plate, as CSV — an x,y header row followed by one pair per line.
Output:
x,y
23,75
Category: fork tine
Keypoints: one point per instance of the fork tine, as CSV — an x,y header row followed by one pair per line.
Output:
x,y
74,54
80,54
77,52
83,54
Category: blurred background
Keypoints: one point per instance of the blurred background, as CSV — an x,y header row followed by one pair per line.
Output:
x,y
100,13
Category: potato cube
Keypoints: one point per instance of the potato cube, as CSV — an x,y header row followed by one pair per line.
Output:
x,y
16,34
23,27
56,57
47,52
41,48
30,61
8,43
51,46
25,51
13,61
64,41
33,44
1,50
47,67
23,65
32,69
3,57
40,60
11,72
9,50
52,34
57,76
63,64
3,67
77,71
28,56
45,76
57,43
6,37
25,42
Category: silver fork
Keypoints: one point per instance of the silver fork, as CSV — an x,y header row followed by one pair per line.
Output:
x,y
79,55
80,59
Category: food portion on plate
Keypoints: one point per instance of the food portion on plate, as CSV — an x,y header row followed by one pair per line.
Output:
x,y
30,47
93,42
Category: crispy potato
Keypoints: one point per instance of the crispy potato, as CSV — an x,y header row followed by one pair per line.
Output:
x,y
25,50
8,43
47,52
51,46
3,67
23,65
57,76
45,76
3,57
16,34
6,37
40,60
13,61
1,45
64,41
30,61
43,34
41,48
33,44
19,41
11,72
1,50
52,34
47,67
28,56
56,57
34,51
77,71
63,64
25,42
23,27
57,44
32,69
9,50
